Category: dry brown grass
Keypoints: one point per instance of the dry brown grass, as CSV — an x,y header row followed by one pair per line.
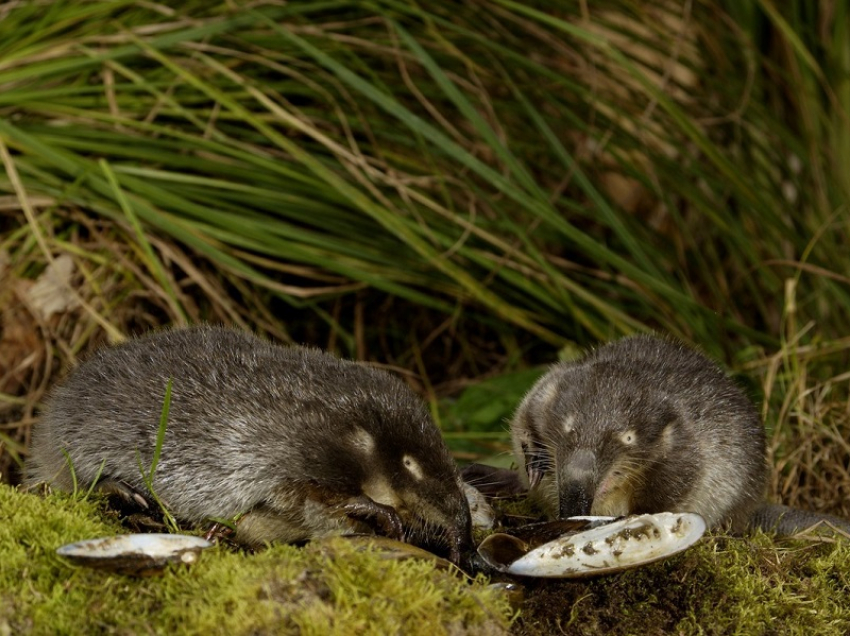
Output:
x,y
806,407
47,322
106,291
809,426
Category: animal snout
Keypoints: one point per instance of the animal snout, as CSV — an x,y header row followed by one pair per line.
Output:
x,y
461,544
574,499
575,485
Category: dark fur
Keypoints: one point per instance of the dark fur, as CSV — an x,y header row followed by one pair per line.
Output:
x,y
254,428
655,427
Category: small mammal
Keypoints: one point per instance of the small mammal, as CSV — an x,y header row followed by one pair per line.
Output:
x,y
645,425
303,443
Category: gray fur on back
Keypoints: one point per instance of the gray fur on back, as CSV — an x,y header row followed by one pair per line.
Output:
x,y
246,416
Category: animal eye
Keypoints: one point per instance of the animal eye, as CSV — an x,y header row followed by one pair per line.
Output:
x,y
629,437
412,467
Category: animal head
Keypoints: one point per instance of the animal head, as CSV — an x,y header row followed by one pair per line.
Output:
x,y
385,445
415,475
599,438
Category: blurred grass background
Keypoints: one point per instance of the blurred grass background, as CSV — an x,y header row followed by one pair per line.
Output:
x,y
458,191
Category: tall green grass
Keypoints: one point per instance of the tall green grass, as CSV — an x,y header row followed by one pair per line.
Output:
x,y
461,156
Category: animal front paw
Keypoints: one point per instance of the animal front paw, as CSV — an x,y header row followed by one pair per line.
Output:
x,y
379,516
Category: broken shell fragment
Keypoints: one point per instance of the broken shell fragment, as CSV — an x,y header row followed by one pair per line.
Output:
x,y
613,547
483,515
135,554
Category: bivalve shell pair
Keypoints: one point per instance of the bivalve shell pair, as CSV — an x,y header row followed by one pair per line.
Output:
x,y
601,546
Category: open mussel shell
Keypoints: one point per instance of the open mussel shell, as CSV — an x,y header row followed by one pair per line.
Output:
x,y
600,549
135,554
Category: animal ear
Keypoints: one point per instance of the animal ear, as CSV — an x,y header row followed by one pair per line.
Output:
x,y
362,440
668,433
669,421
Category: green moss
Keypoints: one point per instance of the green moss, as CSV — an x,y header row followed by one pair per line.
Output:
x,y
327,588
755,584
724,585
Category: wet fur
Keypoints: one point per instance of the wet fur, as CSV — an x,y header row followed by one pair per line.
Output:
x,y
680,434
275,432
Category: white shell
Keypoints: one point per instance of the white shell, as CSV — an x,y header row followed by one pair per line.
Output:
x,y
613,547
483,515
137,554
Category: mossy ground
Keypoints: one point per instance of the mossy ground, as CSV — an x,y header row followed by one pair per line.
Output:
x,y
328,588
724,585
750,586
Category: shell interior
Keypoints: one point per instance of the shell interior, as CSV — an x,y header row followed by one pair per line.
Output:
x,y
135,553
613,547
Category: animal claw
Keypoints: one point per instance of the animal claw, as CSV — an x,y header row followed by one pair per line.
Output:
x,y
218,531
366,509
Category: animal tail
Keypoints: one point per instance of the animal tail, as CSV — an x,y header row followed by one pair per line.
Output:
x,y
787,521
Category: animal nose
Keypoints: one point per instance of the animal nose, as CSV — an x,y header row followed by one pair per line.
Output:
x,y
574,499
575,487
